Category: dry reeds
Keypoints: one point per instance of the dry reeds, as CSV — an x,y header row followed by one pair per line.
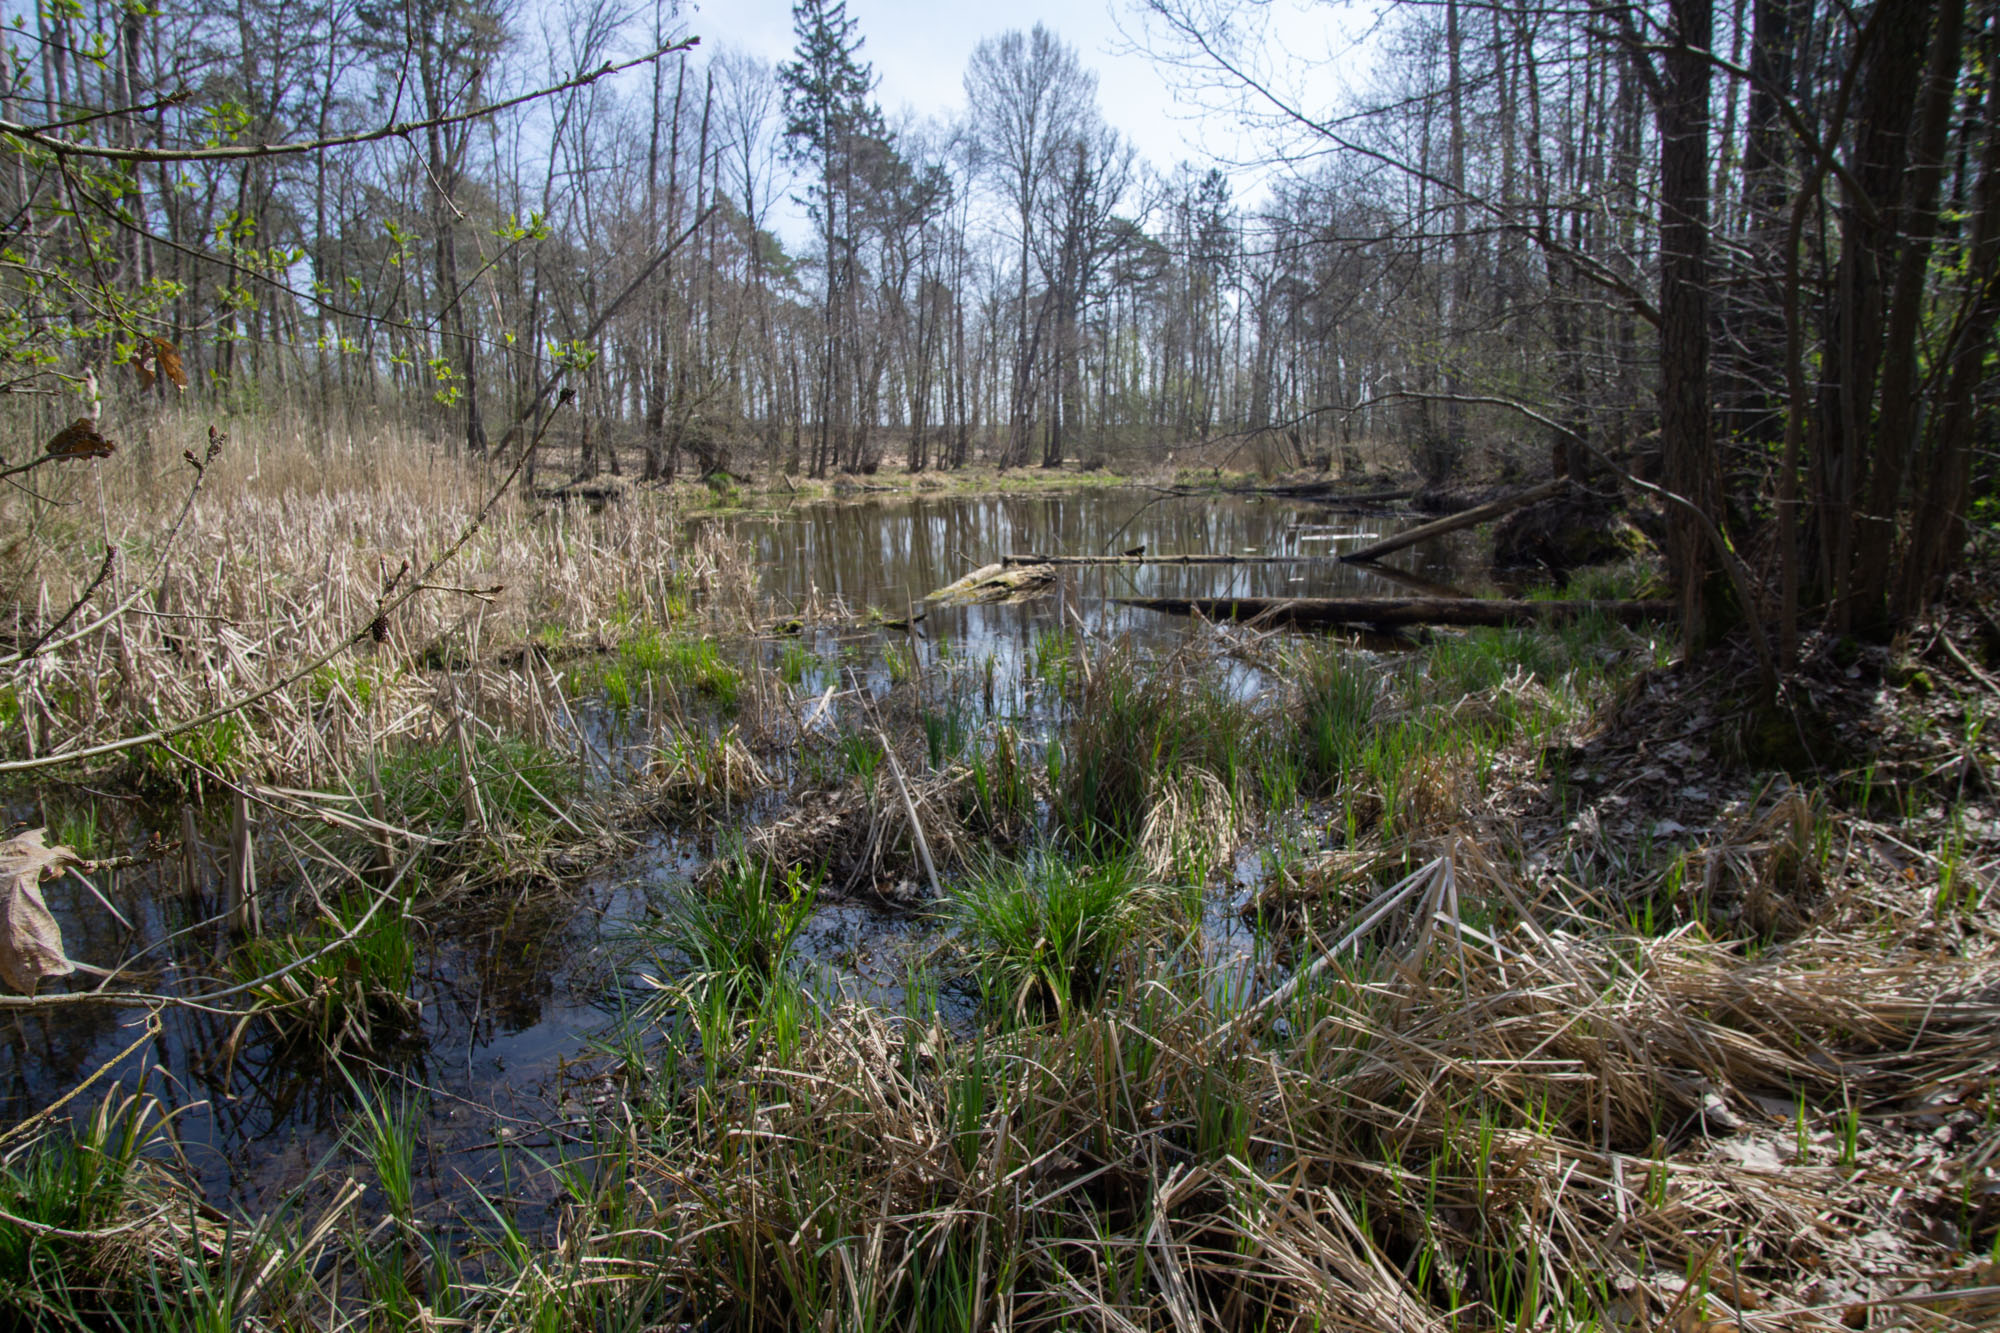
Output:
x,y
859,835
1458,1127
280,561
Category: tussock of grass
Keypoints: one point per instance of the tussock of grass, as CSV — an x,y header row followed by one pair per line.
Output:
x,y
696,772
734,933
341,987
520,786
1128,724
1041,933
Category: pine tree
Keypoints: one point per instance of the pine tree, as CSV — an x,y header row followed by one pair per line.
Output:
x,y
828,121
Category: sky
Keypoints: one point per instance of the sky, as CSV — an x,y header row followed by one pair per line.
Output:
x,y
919,51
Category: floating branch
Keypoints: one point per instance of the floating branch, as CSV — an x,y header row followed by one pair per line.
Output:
x,y
1314,612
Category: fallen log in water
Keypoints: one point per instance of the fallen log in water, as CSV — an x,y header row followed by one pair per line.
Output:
x,y
1031,560
1506,504
996,582
1315,612
1330,493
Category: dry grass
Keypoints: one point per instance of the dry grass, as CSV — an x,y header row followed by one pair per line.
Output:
x,y
859,835
282,559
1468,1128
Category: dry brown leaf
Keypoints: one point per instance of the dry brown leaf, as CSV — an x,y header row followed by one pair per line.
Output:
x,y
31,945
144,371
80,439
168,358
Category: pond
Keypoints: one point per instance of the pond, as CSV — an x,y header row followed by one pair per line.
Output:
x,y
520,995
888,555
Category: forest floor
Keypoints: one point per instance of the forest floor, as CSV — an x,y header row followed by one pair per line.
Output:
x,y
1530,978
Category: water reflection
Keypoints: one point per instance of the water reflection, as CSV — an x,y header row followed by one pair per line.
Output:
x,y
511,998
884,556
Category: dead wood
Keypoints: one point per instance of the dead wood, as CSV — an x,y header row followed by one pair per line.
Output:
x,y
1470,518
1315,612
1030,560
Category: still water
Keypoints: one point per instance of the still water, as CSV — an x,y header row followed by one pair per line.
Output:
x,y
886,556
518,995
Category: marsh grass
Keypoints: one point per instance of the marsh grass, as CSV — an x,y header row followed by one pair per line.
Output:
x,y
1420,1136
735,931
695,771
76,1242
1340,695
1040,933
294,539
1127,725
341,987
1000,792
516,785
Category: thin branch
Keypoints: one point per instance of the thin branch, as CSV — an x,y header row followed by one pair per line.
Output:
x,y
399,130
200,467
384,606
103,573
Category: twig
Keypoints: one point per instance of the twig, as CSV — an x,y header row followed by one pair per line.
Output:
x,y
399,130
103,573
383,607
910,809
151,1034
1967,663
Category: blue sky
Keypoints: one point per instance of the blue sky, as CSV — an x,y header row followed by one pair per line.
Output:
x,y
919,51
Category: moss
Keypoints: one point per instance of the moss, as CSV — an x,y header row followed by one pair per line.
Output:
x,y
1798,738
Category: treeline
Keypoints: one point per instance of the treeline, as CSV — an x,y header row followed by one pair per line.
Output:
x,y
1013,284
1749,251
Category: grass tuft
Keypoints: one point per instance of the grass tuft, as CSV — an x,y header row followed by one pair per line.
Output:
x,y
1042,934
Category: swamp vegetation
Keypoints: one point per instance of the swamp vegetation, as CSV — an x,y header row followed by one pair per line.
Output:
x,y
562,771
669,918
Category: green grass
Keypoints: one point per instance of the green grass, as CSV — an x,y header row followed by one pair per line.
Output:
x,y
358,681
1131,725
1341,694
347,996
1043,933
79,828
947,732
682,663
794,661
737,931
75,1178
521,784
1002,790
698,665
221,746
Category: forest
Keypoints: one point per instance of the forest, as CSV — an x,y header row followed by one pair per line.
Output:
x,y
1753,248
641,689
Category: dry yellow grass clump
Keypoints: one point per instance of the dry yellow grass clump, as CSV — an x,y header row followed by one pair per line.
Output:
x,y
270,579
